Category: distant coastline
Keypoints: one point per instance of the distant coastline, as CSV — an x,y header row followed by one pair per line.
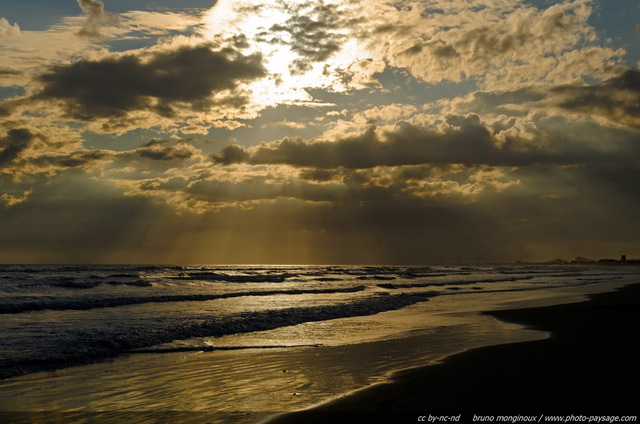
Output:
x,y
579,260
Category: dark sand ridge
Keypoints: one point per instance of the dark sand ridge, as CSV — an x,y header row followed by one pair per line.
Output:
x,y
590,365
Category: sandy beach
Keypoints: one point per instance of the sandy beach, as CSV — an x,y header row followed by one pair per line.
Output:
x,y
588,366
252,384
432,357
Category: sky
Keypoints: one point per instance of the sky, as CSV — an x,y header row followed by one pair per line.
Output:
x,y
318,132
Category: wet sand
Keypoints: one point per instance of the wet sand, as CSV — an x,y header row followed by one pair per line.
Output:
x,y
249,385
589,365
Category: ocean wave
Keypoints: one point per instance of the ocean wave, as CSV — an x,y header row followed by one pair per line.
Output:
x,y
376,277
216,276
393,286
73,283
39,269
85,347
18,305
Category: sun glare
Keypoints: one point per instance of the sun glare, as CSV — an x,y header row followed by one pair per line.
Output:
x,y
291,71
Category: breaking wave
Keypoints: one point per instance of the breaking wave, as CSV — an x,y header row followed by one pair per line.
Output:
x,y
81,348
80,304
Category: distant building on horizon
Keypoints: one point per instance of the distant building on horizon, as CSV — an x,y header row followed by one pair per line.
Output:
x,y
579,260
622,261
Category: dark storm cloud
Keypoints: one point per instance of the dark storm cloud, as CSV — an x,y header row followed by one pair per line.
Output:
x,y
155,142
231,154
617,99
466,141
13,144
155,152
159,81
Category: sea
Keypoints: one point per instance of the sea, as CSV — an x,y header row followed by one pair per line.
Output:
x,y
242,343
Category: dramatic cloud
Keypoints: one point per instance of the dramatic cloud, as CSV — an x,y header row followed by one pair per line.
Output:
x,y
355,131
457,140
193,77
616,99
495,44
232,154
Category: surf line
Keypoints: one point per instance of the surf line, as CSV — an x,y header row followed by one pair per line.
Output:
x,y
215,348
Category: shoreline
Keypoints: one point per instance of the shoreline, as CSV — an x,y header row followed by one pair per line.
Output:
x,y
211,386
302,376
588,365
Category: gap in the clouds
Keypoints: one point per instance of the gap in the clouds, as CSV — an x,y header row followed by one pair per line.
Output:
x,y
397,85
139,40
11,91
119,6
279,122
37,15
617,21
